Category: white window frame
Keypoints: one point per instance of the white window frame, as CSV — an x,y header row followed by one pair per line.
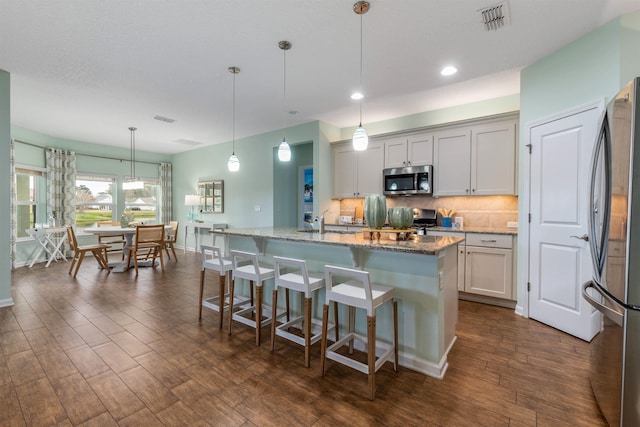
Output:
x,y
39,200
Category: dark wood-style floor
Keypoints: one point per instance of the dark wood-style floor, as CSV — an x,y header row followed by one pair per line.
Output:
x,y
113,349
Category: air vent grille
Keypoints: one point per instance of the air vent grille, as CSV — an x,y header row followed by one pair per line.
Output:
x,y
187,142
496,16
164,119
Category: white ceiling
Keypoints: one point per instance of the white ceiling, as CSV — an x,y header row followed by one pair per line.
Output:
x,y
88,69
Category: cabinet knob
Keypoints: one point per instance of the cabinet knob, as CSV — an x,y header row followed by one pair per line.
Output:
x,y
409,163
466,190
473,190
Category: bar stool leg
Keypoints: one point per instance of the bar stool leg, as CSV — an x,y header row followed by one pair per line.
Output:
x,y
323,340
286,291
352,322
335,319
371,354
201,293
307,332
274,303
223,283
258,312
231,289
395,333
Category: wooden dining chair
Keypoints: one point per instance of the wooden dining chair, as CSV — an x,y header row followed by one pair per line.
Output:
x,y
79,251
170,239
149,241
116,242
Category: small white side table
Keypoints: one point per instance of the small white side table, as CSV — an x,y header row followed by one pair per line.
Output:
x,y
195,228
51,240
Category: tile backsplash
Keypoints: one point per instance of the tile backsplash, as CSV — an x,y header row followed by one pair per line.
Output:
x,y
477,211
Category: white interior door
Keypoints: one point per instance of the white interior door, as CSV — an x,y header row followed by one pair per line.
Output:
x,y
559,260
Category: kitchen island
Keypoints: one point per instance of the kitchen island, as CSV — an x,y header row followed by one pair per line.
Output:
x,y
423,271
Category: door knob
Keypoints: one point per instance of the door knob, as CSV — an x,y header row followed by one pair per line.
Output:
x,y
584,237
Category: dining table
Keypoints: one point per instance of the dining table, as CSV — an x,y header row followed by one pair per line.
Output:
x,y
129,233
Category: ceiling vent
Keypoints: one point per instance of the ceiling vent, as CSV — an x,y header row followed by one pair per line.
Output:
x,y
187,142
496,16
164,119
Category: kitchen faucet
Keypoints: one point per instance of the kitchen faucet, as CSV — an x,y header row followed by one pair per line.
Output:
x,y
320,221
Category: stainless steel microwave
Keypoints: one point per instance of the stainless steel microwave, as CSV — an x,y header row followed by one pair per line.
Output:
x,y
409,180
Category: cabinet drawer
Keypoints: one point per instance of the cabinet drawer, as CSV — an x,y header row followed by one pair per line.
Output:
x,y
616,248
489,240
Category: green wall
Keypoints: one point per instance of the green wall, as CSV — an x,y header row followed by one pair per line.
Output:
x,y
5,190
590,69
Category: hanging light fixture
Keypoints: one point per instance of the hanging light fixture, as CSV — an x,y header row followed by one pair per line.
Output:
x,y
284,151
360,137
133,182
234,164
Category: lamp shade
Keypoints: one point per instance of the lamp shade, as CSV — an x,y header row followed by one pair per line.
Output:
x,y
284,151
191,200
360,139
233,164
132,184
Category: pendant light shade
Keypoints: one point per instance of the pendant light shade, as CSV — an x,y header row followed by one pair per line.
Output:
x,y
132,182
233,164
284,151
360,137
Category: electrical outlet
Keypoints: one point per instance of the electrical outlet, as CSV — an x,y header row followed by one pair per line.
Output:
x,y
256,208
512,224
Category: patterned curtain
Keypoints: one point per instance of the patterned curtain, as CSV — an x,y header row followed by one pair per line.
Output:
x,y
165,193
61,186
12,203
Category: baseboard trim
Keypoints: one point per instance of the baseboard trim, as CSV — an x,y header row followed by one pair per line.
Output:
x,y
435,370
6,302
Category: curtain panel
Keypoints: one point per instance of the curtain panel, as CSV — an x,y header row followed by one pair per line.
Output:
x,y
61,186
165,193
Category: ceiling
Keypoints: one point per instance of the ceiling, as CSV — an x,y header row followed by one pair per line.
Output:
x,y
87,70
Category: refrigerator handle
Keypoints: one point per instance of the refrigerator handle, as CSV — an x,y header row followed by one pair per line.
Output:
x,y
616,316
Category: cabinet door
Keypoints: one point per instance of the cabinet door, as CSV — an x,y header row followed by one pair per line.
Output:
x,y
488,271
370,165
452,162
345,169
395,153
420,150
493,159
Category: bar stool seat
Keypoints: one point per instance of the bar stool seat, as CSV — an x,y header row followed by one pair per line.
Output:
x,y
212,259
354,289
306,284
245,266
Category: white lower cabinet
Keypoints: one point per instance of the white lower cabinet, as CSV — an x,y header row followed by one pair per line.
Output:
x,y
485,264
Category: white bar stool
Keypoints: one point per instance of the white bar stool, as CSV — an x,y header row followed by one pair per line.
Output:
x,y
306,284
212,259
246,266
358,292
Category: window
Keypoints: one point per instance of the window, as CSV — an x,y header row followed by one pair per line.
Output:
x,y
144,202
31,199
94,200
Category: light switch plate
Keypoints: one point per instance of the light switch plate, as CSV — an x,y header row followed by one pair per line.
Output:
x,y
512,224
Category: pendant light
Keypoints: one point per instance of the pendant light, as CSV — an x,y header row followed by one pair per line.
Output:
x,y
234,164
284,151
360,137
132,182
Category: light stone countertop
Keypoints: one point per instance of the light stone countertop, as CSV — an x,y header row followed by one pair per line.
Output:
x,y
427,245
486,230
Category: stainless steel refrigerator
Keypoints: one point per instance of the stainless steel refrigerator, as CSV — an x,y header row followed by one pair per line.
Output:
x,y
614,237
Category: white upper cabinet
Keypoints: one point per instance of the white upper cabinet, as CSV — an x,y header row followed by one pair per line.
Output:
x,y
476,160
357,173
414,150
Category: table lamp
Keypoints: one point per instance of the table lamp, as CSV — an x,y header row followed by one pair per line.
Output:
x,y
192,200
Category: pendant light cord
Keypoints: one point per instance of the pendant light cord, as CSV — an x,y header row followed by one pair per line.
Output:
x,y
361,91
133,152
284,95
233,122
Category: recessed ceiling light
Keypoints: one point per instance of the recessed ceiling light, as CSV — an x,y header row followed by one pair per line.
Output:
x,y
356,96
449,70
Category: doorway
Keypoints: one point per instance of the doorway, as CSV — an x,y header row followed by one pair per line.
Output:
x,y
288,196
